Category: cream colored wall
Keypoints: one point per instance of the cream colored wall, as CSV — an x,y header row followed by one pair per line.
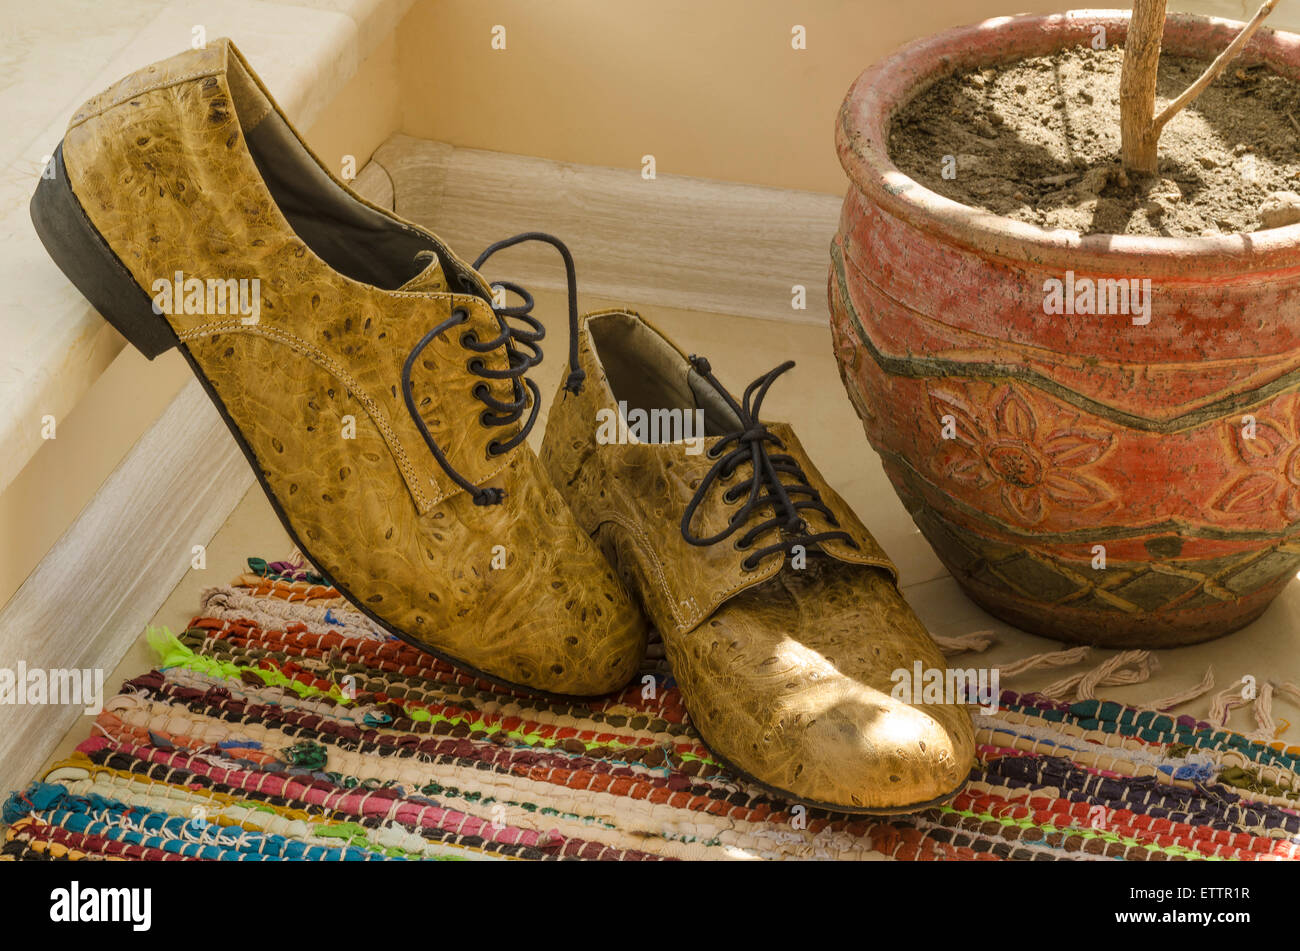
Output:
x,y
711,89
364,114
42,501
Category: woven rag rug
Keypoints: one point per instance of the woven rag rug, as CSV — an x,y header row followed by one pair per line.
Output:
x,y
283,725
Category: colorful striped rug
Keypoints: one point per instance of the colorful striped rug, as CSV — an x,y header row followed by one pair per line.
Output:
x,y
282,725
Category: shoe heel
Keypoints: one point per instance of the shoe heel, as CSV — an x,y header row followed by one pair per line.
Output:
x,y
90,264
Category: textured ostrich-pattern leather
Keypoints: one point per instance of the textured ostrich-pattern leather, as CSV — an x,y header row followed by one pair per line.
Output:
x,y
160,166
786,672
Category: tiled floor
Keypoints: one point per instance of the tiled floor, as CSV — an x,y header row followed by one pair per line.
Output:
x,y
811,397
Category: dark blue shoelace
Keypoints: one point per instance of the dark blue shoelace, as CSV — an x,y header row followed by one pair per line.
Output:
x,y
765,485
523,352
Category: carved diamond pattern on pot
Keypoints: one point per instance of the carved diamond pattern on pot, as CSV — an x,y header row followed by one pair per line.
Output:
x,y
1272,457
1261,571
1038,576
1152,589
1021,448
960,556
1127,587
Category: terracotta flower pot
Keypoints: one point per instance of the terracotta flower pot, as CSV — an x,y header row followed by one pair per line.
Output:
x,y
1072,437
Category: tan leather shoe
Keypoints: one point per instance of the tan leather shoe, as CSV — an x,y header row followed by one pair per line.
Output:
x,y
786,671
358,362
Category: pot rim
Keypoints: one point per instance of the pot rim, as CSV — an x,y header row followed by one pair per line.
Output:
x,y
862,130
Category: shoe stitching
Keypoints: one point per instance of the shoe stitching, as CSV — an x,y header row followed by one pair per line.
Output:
x,y
740,585
376,413
80,117
642,543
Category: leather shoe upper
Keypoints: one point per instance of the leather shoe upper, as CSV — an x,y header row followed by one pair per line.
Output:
x,y
780,615
190,173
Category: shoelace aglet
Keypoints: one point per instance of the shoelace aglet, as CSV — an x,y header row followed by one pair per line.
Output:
x,y
573,383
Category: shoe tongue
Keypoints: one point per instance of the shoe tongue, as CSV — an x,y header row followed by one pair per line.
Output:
x,y
719,420
431,279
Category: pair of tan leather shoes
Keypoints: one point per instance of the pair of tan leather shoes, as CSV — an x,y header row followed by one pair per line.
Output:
x,y
383,400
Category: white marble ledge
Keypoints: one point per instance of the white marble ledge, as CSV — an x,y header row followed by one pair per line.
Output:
x,y
56,54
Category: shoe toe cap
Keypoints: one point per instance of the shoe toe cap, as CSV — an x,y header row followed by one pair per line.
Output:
x,y
870,751
807,708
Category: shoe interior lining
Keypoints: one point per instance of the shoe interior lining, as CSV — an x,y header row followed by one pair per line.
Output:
x,y
646,372
351,237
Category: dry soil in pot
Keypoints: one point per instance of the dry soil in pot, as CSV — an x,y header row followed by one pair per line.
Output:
x,y
1038,141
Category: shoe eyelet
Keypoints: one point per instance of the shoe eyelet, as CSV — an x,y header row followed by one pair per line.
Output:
x,y
474,365
479,391
714,451
460,312
469,338
485,418
730,496
748,564
494,449
739,547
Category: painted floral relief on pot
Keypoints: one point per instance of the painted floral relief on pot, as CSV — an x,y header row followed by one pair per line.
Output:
x,y
1268,448
1031,465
